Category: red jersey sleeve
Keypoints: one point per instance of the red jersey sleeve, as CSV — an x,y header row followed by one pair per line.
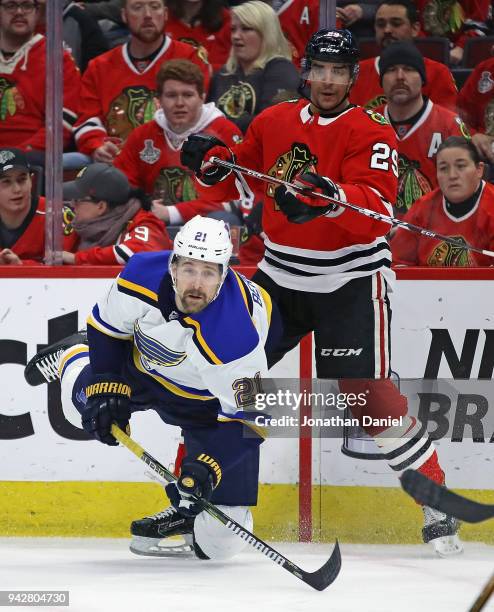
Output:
x,y
92,135
128,161
144,233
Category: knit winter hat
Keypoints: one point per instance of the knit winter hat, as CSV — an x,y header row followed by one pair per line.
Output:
x,y
401,52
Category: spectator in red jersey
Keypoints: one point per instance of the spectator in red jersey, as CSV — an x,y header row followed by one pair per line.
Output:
x,y
456,20
151,156
202,23
420,125
110,221
22,215
462,207
23,81
476,107
299,19
397,20
259,71
117,93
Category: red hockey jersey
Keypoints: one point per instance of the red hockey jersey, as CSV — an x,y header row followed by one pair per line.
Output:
x,y
151,161
145,232
299,19
476,98
22,96
217,44
455,20
116,97
356,149
475,228
440,86
417,149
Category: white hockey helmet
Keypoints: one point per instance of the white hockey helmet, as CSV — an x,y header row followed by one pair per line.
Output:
x,y
204,239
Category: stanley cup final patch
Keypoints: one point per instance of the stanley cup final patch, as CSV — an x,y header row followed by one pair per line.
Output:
x,y
150,154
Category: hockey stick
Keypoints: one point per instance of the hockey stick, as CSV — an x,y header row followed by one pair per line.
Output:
x,y
483,597
431,494
363,211
319,580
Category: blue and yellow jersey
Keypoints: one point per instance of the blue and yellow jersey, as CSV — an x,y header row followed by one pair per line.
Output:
x,y
214,355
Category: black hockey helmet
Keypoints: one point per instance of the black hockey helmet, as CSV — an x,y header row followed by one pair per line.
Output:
x,y
337,46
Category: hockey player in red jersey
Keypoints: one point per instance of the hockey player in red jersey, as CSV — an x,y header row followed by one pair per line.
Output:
x,y
331,275
151,156
461,207
118,87
23,79
110,221
420,124
398,20
299,19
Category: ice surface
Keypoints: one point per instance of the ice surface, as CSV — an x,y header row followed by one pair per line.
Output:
x,y
102,575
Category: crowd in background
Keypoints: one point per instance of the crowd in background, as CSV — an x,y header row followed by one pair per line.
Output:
x,y
140,76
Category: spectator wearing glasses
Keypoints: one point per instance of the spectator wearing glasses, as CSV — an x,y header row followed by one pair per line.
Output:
x,y
118,88
110,221
23,81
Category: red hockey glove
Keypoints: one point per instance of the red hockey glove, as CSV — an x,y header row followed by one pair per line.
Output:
x,y
300,208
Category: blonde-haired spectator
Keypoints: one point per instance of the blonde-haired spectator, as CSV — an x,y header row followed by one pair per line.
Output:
x,y
258,72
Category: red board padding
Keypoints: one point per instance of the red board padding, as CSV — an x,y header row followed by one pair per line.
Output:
x,y
411,273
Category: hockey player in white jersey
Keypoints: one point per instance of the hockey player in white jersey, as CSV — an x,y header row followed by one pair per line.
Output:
x,y
181,333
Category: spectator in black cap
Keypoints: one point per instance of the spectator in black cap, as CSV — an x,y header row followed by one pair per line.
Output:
x,y
22,215
420,124
111,221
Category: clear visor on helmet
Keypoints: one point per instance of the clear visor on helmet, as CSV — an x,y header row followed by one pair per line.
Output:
x,y
326,72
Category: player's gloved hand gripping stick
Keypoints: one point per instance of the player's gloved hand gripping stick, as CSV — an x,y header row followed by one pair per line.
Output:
x,y
334,201
319,580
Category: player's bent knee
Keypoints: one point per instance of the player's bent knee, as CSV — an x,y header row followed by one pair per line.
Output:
x,y
215,540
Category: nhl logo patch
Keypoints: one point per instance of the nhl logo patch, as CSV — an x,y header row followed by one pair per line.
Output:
x,y
150,154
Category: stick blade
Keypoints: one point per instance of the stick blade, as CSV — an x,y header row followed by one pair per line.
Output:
x,y
431,494
326,574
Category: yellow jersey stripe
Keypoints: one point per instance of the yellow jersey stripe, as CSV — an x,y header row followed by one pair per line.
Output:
x,y
267,302
166,383
242,290
137,288
260,431
92,321
202,342
69,354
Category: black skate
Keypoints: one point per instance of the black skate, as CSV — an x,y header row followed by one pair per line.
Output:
x,y
43,367
441,531
148,533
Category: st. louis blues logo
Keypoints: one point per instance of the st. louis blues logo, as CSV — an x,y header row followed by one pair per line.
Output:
x,y
153,352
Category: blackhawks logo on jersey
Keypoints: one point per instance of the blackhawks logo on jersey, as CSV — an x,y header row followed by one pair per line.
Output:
x,y
443,17
377,117
174,185
445,254
296,161
412,183
10,99
68,217
376,102
130,109
238,100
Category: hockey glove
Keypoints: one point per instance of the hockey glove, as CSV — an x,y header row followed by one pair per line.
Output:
x,y
197,478
300,208
198,149
108,399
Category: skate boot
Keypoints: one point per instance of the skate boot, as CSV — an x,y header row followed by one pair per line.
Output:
x,y
43,367
165,534
441,531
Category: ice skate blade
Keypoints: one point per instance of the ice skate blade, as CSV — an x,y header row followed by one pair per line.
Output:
x,y
447,546
152,547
